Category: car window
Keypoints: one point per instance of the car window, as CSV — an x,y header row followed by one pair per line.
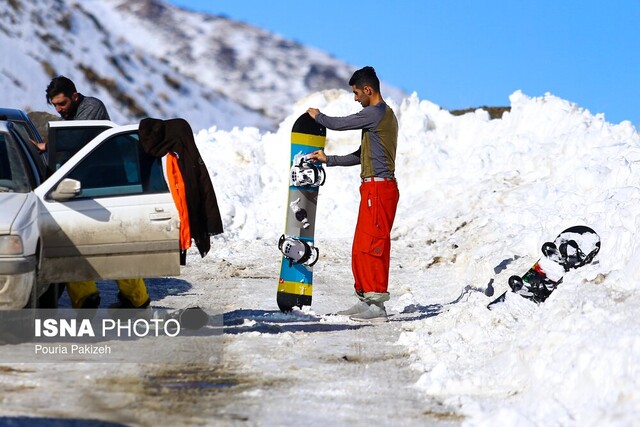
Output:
x,y
68,142
118,167
13,171
24,130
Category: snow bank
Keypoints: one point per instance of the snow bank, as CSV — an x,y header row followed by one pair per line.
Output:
x,y
477,194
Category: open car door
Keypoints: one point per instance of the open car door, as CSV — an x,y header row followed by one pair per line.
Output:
x,y
106,212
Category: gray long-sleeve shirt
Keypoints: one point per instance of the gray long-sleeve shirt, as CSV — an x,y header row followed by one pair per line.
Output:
x,y
377,151
91,108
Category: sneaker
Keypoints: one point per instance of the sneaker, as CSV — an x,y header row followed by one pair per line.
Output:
x,y
359,307
375,313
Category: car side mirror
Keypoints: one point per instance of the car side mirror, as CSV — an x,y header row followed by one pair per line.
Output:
x,y
67,189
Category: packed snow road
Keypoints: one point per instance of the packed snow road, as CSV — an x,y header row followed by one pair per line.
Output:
x,y
273,369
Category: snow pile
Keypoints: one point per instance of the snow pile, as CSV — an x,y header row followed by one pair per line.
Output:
x,y
478,199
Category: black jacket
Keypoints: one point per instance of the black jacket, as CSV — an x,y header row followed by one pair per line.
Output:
x,y
159,137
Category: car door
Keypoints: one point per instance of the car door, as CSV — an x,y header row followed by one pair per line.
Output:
x,y
107,213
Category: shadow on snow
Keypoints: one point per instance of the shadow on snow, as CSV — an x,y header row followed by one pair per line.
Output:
x,y
417,312
21,421
276,322
158,288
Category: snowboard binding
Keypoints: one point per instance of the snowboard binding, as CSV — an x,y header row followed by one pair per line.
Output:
x,y
307,174
573,255
536,285
537,288
550,250
578,246
568,255
298,251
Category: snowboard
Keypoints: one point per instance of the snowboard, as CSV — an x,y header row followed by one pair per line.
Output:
x,y
299,253
574,247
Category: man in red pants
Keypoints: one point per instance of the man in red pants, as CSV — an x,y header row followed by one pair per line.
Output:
x,y
378,192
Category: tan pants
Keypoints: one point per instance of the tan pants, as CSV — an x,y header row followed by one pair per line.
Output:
x,y
134,290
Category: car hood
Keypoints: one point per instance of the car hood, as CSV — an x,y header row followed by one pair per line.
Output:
x,y
11,204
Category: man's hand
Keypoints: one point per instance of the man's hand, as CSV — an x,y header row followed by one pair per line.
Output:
x,y
317,156
313,112
41,146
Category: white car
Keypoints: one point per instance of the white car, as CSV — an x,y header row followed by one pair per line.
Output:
x,y
105,212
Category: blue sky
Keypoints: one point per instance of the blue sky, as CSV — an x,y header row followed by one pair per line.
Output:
x,y
464,53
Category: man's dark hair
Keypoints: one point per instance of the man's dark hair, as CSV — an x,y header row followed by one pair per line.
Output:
x,y
365,77
60,84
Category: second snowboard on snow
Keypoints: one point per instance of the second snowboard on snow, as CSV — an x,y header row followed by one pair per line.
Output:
x,y
574,247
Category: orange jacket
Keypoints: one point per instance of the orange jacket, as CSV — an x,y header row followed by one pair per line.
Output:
x,y
176,185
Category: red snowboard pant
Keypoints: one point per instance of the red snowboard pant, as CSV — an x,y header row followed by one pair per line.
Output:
x,y
372,240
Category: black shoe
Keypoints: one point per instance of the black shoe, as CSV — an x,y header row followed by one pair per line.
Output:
x,y
124,302
92,301
89,307
124,309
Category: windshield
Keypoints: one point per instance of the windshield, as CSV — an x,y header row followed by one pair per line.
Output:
x,y
13,173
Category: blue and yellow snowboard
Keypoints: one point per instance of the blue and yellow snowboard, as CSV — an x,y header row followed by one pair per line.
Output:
x,y
299,253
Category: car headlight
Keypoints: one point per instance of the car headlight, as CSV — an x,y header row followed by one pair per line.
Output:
x,y
11,245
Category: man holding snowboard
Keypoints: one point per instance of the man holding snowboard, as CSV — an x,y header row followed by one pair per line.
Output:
x,y
378,191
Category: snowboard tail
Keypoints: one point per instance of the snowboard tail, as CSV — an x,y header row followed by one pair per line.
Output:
x,y
299,254
293,295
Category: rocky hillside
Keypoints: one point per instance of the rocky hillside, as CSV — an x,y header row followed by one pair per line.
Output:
x,y
148,58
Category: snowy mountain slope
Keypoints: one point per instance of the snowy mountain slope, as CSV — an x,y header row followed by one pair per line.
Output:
x,y
43,38
251,66
148,58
